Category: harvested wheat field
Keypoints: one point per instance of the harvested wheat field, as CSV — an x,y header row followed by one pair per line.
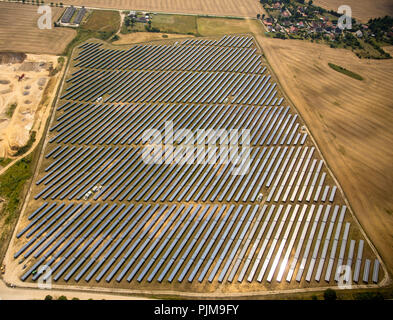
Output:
x,y
140,37
19,30
220,26
244,8
388,49
351,121
361,9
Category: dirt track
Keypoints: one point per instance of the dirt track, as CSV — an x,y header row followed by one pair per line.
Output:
x,y
7,293
351,121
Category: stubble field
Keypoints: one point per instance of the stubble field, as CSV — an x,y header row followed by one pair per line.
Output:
x,y
19,30
361,9
245,8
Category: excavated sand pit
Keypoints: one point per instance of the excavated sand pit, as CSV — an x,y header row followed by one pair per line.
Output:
x,y
23,79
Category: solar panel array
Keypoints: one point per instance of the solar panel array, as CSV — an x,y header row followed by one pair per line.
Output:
x,y
72,11
79,16
68,14
100,213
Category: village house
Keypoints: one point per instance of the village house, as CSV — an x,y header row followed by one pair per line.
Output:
x,y
285,13
293,29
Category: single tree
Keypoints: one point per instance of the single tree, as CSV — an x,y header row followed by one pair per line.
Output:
x,y
330,295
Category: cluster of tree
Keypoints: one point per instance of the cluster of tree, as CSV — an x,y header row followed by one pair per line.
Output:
x,y
384,24
384,55
270,2
37,2
22,150
351,41
280,35
149,28
331,295
128,21
380,27
334,13
60,63
49,297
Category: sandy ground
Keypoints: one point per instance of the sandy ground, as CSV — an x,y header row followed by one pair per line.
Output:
x,y
244,8
351,121
27,94
19,30
361,9
138,37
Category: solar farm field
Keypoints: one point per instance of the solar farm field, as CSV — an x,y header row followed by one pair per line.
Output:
x,y
19,31
100,215
244,8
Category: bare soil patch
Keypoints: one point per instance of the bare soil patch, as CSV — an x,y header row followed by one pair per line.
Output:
x,y
12,57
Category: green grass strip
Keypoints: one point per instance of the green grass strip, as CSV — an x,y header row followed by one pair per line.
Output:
x,y
345,71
